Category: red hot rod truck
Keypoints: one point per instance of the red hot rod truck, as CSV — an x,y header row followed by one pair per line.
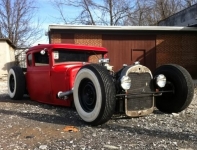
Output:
x,y
63,74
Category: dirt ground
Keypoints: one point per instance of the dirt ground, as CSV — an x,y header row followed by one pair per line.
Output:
x,y
26,124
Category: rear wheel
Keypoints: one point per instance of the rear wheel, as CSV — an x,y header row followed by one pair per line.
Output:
x,y
178,80
16,83
94,94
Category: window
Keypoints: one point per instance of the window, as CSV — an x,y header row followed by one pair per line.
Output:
x,y
29,60
61,55
41,59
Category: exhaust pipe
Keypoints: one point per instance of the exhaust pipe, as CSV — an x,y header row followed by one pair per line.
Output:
x,y
64,95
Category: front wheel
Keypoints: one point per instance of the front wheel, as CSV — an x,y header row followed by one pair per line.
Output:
x,y
94,94
179,81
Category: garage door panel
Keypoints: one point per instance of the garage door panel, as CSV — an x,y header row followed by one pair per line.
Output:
x,y
126,49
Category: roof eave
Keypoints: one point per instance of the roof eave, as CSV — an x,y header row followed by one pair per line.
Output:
x,y
8,41
121,28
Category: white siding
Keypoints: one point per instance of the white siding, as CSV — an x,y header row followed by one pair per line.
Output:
x,y
6,57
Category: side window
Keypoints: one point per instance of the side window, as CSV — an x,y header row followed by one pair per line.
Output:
x,y
29,60
41,59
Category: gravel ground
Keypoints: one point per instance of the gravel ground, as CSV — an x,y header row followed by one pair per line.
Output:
x,y
26,124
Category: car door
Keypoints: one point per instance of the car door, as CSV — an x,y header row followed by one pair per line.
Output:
x,y
59,80
38,77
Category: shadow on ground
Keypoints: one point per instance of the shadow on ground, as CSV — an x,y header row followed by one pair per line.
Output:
x,y
69,116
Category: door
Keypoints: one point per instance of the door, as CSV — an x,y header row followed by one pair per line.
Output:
x,y
38,78
126,49
139,55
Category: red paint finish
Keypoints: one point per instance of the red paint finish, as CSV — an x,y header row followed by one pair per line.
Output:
x,y
45,77
68,46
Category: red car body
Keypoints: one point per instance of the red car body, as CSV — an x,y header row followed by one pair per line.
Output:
x,y
45,81
66,75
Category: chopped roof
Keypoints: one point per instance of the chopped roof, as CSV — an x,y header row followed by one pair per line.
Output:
x,y
69,46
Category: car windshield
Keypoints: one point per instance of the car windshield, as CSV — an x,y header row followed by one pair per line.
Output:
x,y
65,55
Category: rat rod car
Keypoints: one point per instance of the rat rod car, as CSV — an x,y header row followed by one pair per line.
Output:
x,y
64,74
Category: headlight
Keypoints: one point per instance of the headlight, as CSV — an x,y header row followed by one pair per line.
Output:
x,y
125,82
161,80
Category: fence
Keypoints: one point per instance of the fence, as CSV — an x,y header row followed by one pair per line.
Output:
x,y
20,57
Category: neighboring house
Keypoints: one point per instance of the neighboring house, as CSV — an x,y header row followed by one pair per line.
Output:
x,y
151,45
7,56
186,17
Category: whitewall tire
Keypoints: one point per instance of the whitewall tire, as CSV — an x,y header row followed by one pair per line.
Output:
x,y
16,83
94,94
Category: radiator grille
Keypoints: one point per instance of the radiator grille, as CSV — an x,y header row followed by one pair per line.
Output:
x,y
136,100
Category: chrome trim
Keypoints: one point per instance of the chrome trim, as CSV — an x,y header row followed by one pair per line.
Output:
x,y
139,113
138,69
64,95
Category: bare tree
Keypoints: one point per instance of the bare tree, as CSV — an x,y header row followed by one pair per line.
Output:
x,y
188,3
84,7
166,8
149,13
17,20
86,15
120,12
140,14
105,12
113,12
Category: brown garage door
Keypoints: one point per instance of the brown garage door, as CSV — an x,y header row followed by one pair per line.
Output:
x,y
126,49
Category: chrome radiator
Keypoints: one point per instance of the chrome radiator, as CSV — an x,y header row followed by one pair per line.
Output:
x,y
138,100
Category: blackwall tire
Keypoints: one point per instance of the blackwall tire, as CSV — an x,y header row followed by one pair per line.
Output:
x,y
94,94
181,83
16,83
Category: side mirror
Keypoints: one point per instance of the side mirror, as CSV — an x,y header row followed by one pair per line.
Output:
x,y
42,52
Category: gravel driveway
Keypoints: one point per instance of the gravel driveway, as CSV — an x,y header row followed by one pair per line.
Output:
x,y
26,124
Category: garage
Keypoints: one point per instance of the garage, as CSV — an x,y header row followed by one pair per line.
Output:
x,y
153,46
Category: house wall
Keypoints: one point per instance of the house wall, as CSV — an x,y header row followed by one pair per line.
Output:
x,y
56,38
4,56
124,49
11,62
176,48
7,57
81,39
